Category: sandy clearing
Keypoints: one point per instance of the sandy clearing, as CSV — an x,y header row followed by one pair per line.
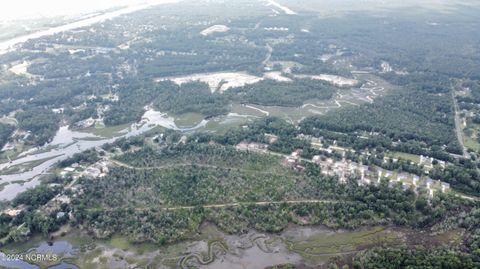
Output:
x,y
277,76
333,79
20,69
215,29
223,81
283,8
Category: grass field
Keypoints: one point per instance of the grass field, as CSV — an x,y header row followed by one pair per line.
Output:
x,y
404,156
188,119
220,125
471,143
323,246
107,132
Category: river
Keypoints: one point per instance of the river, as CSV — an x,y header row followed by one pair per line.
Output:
x,y
7,45
68,142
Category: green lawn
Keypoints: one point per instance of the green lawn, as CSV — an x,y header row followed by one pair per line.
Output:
x,y
404,156
107,132
471,143
188,119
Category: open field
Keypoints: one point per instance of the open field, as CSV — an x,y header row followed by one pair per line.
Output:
x,y
106,132
471,143
405,156
188,119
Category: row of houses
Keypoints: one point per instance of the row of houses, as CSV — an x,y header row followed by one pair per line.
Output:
x,y
344,169
98,169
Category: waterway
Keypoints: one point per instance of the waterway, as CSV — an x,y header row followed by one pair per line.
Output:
x,y
7,45
67,142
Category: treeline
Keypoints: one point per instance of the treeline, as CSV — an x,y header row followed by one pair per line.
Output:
x,y
41,123
37,196
190,97
165,96
353,206
5,131
446,256
30,220
147,205
195,153
418,257
277,93
86,157
462,174
409,115
134,95
201,173
463,177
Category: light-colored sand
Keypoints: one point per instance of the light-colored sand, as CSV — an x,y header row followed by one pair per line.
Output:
x,y
223,81
276,75
283,8
333,79
20,69
215,29
258,109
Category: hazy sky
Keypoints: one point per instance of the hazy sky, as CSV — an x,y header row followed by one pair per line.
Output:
x,y
14,9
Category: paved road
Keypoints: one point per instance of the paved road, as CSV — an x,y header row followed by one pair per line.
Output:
x,y
458,128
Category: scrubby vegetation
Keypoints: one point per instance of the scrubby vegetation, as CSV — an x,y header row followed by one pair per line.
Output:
x,y
401,116
180,183
275,93
190,97
5,131
421,257
86,157
41,123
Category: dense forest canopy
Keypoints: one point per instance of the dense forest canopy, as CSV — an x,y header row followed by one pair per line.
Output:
x,y
5,132
41,123
400,116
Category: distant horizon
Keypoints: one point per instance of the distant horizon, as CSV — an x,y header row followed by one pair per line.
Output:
x,y
30,9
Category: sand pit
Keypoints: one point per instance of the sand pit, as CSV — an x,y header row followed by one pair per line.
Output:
x,y
215,29
333,79
223,81
217,81
276,76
